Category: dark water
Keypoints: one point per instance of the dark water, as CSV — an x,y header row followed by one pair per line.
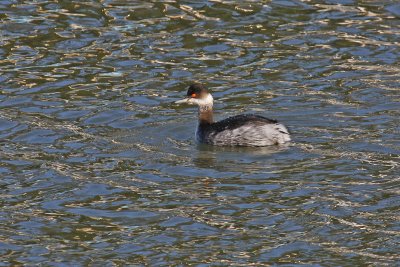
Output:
x,y
99,168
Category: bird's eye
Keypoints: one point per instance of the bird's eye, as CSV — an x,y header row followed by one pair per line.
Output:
x,y
193,95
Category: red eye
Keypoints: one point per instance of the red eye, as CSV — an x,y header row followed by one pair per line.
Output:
x,y
193,95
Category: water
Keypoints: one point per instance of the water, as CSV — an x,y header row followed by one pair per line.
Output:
x,y
99,167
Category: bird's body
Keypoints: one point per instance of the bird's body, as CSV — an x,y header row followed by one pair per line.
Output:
x,y
243,130
240,130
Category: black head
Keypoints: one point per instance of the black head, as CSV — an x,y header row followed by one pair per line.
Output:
x,y
196,90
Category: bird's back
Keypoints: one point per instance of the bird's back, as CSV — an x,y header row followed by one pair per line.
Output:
x,y
243,130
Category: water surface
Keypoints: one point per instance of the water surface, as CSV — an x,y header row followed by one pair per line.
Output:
x,y
99,167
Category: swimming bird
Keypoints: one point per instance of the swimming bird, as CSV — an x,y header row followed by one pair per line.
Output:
x,y
240,130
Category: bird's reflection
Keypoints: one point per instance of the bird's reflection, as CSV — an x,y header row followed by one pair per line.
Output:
x,y
214,156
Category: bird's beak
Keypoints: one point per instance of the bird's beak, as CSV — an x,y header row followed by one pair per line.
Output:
x,y
185,100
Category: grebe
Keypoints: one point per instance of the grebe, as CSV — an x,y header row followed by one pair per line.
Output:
x,y
240,130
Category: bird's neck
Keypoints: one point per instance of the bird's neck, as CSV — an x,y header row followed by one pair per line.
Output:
x,y
206,114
